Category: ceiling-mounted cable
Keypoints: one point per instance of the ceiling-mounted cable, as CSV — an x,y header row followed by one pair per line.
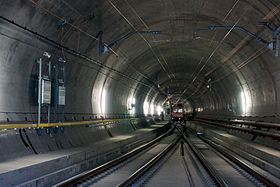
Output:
x,y
70,51
73,25
147,27
147,42
210,56
244,63
213,38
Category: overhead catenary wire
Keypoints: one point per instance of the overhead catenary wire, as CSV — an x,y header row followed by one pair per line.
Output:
x,y
72,25
271,14
240,66
147,27
40,49
71,51
243,64
97,39
210,56
224,19
147,42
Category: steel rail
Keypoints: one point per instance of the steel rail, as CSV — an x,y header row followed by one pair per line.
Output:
x,y
83,176
245,122
141,171
275,136
241,164
206,164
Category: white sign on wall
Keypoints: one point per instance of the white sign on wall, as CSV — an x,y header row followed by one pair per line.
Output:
x,y
46,91
61,95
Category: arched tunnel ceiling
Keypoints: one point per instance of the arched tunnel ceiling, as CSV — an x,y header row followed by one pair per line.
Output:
x,y
210,68
186,45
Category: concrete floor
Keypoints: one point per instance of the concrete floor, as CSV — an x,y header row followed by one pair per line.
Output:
x,y
49,168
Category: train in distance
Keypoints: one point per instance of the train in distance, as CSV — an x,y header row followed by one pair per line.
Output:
x,y
178,112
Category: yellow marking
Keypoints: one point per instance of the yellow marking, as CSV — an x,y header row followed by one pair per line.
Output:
x,y
34,125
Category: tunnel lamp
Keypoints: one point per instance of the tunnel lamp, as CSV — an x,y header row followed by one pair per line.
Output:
x,y
61,60
103,101
246,101
46,54
131,105
152,108
159,109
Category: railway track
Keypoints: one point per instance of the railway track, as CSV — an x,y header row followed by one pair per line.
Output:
x,y
125,163
233,170
180,159
178,168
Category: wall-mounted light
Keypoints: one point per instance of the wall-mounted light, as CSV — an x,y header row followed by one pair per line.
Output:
x,y
146,108
152,109
131,105
246,102
103,101
159,109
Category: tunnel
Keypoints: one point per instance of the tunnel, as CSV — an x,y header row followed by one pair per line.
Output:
x,y
85,83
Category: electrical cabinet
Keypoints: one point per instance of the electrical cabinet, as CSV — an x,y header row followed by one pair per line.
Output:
x,y
61,95
46,91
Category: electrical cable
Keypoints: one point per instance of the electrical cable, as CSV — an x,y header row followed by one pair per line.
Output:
x,y
72,25
70,51
132,26
87,65
32,147
210,56
224,19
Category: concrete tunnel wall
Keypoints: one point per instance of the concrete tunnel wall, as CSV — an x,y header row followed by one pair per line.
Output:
x,y
244,74
175,60
251,91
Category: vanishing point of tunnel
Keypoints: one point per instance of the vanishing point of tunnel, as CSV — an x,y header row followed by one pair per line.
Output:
x,y
139,93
